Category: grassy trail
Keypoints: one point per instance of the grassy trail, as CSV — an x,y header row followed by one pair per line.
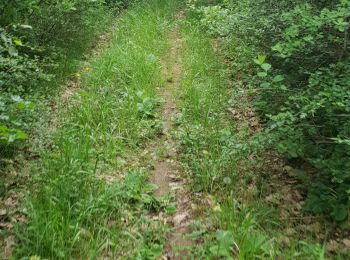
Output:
x,y
91,196
146,161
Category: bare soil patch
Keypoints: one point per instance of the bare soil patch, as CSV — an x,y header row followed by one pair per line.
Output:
x,y
166,174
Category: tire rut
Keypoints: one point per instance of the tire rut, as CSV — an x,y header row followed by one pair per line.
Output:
x,y
166,174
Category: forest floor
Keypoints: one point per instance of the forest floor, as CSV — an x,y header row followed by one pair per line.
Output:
x,y
143,159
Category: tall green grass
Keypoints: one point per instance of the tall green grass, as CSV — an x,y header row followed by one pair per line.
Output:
x,y
214,149
205,132
72,212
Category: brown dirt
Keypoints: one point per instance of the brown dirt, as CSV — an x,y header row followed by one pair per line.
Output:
x,y
166,174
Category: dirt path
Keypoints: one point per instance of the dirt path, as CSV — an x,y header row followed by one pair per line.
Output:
x,y
166,174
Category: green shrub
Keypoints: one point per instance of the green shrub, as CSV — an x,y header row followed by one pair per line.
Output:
x,y
300,86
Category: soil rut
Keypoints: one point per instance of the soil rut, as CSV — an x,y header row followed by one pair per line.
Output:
x,y
166,174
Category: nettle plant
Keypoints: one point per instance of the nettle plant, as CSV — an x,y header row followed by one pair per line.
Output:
x,y
306,101
216,19
10,123
16,70
312,124
146,106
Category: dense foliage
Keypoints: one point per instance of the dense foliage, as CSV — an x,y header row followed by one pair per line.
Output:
x,y
39,43
293,56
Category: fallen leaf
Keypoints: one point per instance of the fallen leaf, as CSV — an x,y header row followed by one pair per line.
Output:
x,y
346,242
6,225
179,218
9,242
285,240
332,246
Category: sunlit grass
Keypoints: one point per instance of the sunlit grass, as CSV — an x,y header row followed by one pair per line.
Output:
x,y
72,213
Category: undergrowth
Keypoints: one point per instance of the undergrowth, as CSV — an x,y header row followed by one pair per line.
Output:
x,y
235,220
292,57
